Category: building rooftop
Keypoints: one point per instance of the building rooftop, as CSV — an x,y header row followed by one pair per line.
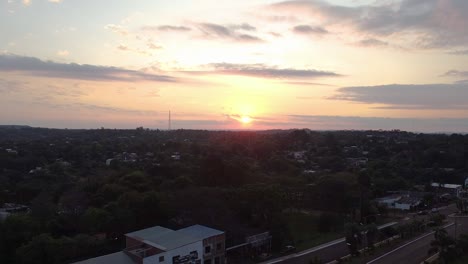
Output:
x,y
390,197
409,200
167,239
448,186
200,232
115,258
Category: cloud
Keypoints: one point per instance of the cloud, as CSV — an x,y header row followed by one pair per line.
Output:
x,y
231,32
166,28
309,84
406,96
37,67
423,23
152,46
306,29
63,53
123,47
372,42
56,1
265,71
26,2
455,73
9,86
117,29
459,52
244,26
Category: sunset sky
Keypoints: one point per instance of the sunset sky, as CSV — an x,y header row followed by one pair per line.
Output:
x,y
219,64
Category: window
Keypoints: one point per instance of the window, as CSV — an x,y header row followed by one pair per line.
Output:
x,y
219,246
217,260
207,249
176,259
161,259
194,254
207,261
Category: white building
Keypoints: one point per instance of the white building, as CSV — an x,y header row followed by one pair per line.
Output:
x,y
389,201
407,203
453,189
400,201
195,245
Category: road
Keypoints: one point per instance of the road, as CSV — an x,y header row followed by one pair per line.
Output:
x,y
325,252
416,250
337,248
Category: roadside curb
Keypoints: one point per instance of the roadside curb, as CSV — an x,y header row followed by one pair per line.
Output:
x,y
457,216
431,259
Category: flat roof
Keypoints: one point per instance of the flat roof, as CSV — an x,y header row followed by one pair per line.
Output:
x,y
200,232
115,258
448,186
167,239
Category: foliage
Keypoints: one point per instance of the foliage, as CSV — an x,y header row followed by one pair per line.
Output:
x,y
243,182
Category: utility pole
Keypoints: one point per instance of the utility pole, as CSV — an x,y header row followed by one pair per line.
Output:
x,y
169,123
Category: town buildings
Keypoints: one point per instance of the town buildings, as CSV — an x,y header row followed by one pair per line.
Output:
x,y
192,245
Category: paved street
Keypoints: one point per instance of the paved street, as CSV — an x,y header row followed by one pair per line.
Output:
x,y
416,250
413,253
326,252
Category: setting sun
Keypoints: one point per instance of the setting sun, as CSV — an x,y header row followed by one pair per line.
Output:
x,y
246,119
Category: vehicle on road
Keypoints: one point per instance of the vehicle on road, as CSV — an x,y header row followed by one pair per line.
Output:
x,y
288,249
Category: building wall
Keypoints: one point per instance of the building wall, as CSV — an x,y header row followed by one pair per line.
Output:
x,y
402,206
215,252
181,251
131,242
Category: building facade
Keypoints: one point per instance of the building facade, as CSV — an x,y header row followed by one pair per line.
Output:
x,y
192,245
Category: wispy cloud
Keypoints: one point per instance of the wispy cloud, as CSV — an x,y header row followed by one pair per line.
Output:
x,y
425,24
9,86
265,71
63,53
306,29
37,67
309,84
459,52
166,28
456,73
406,96
117,29
372,42
230,32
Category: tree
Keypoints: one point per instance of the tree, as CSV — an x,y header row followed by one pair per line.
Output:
x,y
353,238
94,220
371,235
444,244
46,249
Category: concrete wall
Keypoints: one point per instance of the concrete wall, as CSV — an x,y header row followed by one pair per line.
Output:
x,y
181,251
215,252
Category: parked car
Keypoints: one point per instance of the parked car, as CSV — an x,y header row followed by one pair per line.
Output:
x,y
288,249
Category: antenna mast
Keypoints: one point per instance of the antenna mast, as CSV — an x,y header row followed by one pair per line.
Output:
x,y
169,119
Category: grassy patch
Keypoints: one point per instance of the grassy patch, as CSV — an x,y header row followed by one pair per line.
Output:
x,y
303,229
461,260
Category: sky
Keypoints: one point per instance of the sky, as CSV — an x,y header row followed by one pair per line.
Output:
x,y
219,64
